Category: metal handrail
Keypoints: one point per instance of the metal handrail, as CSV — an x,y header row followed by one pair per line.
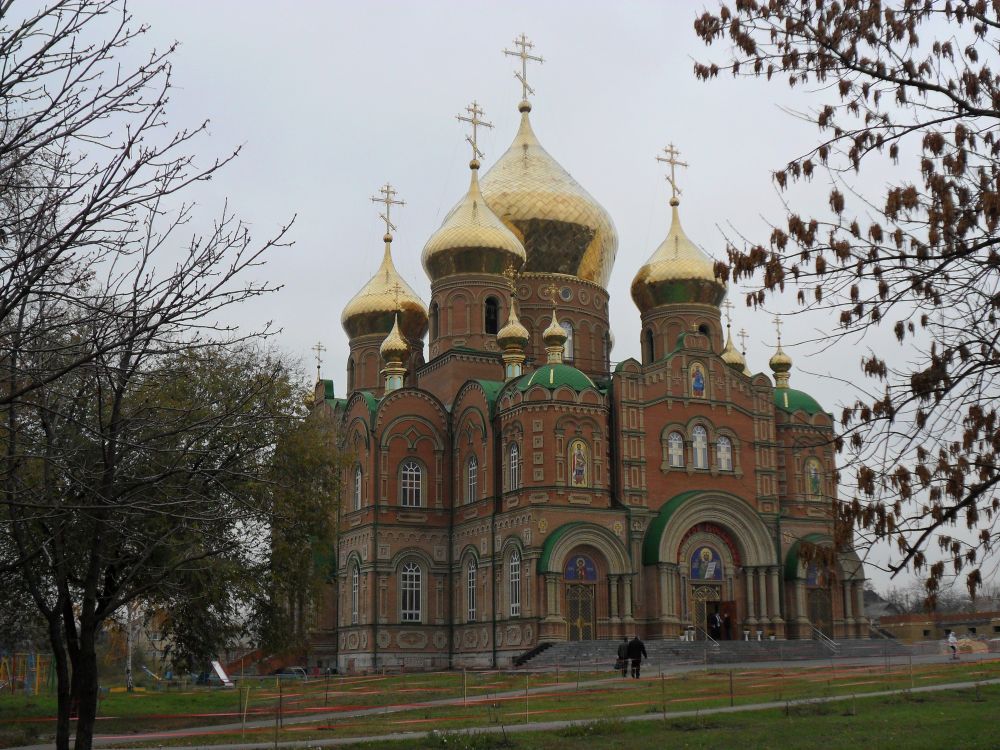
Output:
x,y
707,636
826,640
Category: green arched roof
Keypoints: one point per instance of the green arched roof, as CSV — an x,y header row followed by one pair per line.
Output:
x,y
550,543
651,544
792,559
554,376
791,400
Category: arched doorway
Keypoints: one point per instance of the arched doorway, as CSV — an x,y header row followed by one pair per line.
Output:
x,y
580,576
818,599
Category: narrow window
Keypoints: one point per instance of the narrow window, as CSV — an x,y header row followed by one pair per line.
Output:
x,y
724,448
434,312
675,449
355,576
492,315
409,586
472,480
515,584
647,346
471,592
568,347
699,447
350,375
514,468
411,484
357,488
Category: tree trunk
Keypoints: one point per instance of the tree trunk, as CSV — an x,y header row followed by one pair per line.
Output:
x,y
62,683
86,681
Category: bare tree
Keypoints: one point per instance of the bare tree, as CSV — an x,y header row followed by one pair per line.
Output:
x,y
136,430
909,86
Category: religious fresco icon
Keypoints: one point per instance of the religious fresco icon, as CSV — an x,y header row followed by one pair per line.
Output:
x,y
706,564
580,568
814,479
697,380
579,464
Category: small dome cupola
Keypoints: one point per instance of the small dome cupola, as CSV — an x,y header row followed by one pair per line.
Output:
x,y
780,362
563,229
678,271
730,354
555,339
373,310
394,351
513,339
472,239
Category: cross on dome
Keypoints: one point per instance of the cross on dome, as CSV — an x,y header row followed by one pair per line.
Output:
x,y
777,325
319,349
388,198
524,45
729,312
474,111
743,339
671,159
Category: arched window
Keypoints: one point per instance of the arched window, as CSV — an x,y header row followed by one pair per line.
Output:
x,y
350,375
648,354
470,596
409,588
568,346
433,315
357,488
724,449
675,449
492,315
472,480
513,468
355,586
411,481
699,447
514,575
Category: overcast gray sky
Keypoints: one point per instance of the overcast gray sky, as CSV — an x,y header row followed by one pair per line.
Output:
x,y
332,99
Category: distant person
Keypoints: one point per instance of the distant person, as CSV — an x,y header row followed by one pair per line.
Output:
x,y
636,651
623,657
715,625
953,644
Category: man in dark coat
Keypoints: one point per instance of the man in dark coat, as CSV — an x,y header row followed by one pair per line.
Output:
x,y
636,651
623,656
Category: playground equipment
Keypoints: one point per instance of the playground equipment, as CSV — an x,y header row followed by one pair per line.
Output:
x,y
29,671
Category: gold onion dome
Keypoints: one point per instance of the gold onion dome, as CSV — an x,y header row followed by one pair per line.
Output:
x,y
732,356
780,364
513,334
472,239
678,272
394,347
563,229
555,334
373,309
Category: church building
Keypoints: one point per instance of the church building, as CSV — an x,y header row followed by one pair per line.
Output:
x,y
511,488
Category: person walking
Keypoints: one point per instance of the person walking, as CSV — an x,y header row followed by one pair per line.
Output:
x,y
953,645
636,651
623,657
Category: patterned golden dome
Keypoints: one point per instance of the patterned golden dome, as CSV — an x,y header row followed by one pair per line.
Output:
x,y
472,239
513,334
732,356
677,272
373,309
780,364
563,229
555,334
394,348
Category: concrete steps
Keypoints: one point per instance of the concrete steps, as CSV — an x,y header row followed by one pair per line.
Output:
x,y
603,654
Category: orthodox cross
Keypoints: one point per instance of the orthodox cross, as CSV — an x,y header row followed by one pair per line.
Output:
x,y
474,111
319,349
729,312
743,340
777,325
396,289
388,198
551,289
524,45
671,159
510,273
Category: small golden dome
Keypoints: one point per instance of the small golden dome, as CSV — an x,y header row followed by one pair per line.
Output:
x,y
678,272
780,362
555,334
394,348
513,334
472,239
373,309
732,356
563,229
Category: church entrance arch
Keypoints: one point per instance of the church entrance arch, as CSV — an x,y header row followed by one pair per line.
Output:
x,y
580,576
709,557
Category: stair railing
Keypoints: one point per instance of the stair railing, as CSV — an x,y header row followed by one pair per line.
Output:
x,y
708,638
826,640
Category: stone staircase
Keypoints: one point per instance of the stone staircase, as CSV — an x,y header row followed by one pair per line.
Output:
x,y
599,655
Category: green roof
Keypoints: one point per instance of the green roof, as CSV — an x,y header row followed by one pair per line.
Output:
x,y
327,389
792,559
651,544
791,400
550,542
554,376
492,389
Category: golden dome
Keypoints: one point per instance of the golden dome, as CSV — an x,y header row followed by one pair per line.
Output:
x,y
780,362
513,334
555,334
372,310
563,229
394,347
472,239
677,272
732,356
